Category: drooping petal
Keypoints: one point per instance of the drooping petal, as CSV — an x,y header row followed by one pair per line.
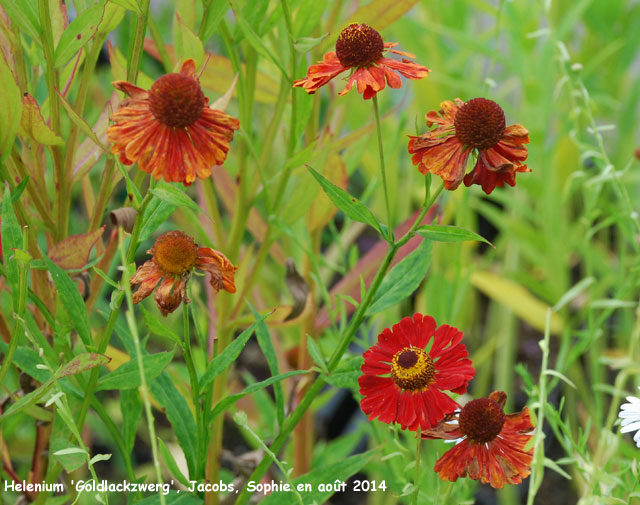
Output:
x,y
447,159
170,293
406,67
321,73
220,268
148,276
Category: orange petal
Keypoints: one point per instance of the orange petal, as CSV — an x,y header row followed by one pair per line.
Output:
x,y
189,68
170,293
221,270
321,73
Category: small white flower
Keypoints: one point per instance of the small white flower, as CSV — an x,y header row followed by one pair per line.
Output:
x,y
630,415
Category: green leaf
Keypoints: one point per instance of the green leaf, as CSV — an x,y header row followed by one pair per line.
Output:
x,y
187,43
158,327
131,408
25,15
264,341
230,400
33,125
258,44
226,357
80,122
347,374
10,109
445,233
111,17
81,363
131,5
171,464
77,34
351,206
11,239
306,44
71,301
316,354
340,471
156,213
127,376
179,415
19,189
403,279
171,194
215,15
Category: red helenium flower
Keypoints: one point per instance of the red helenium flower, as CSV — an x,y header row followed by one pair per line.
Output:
x,y
492,445
175,255
361,48
404,379
462,128
170,131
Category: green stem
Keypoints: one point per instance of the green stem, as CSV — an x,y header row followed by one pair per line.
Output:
x,y
143,380
416,480
62,187
195,391
103,193
354,324
138,45
382,166
537,465
21,305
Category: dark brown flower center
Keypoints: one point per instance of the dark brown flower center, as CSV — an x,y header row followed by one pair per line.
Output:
x,y
175,253
412,369
481,420
480,123
359,46
176,100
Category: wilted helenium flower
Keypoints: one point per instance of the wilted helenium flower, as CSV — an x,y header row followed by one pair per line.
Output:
x,y
170,131
630,415
360,47
175,256
403,380
490,445
478,125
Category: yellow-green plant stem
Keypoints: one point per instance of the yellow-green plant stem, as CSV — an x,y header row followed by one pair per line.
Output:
x,y
103,194
537,465
195,390
138,44
83,89
339,351
144,389
382,166
23,271
62,186
416,479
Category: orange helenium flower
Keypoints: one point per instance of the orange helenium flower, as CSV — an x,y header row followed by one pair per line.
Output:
x,y
169,130
477,125
491,445
360,47
175,255
403,381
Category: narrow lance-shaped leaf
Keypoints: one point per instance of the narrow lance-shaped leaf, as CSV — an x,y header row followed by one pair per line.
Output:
x,y
11,239
351,206
265,343
10,108
403,279
226,357
445,233
127,376
71,301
